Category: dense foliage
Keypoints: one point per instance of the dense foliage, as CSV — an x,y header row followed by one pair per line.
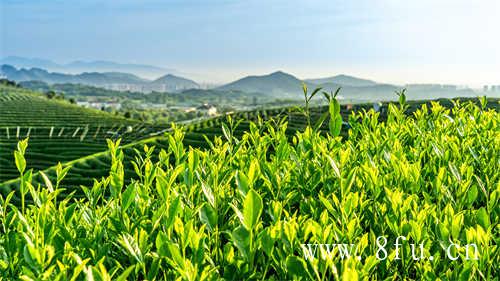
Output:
x,y
241,208
84,148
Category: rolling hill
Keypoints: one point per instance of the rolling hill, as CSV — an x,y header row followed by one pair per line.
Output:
x,y
172,83
283,85
276,83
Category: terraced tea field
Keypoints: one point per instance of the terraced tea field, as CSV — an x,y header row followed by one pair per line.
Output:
x,y
50,145
22,107
94,160
58,131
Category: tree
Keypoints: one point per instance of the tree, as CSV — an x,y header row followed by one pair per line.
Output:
x,y
50,94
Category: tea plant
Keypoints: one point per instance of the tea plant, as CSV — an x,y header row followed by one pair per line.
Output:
x,y
241,208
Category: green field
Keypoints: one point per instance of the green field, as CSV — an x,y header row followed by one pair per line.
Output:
x,y
58,131
37,110
237,198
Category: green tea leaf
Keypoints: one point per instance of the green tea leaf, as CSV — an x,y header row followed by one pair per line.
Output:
x,y
128,196
483,218
47,182
173,210
252,209
209,195
465,273
20,161
297,267
242,182
241,239
350,274
125,274
208,216
457,225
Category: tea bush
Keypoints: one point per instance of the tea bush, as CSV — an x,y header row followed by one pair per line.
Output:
x,y
241,208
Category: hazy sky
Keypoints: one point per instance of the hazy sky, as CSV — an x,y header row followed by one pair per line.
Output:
x,y
396,41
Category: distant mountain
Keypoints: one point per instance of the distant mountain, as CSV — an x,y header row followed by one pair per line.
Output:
x,y
175,83
90,78
75,67
276,83
21,62
109,66
343,80
289,86
109,80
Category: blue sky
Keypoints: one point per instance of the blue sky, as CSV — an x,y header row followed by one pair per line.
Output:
x,y
449,41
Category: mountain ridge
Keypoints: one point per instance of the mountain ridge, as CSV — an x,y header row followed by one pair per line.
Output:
x,y
110,80
278,82
79,66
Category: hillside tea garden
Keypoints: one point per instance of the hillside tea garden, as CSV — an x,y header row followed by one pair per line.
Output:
x,y
243,207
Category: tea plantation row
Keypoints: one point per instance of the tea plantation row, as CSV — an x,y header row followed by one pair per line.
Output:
x,y
58,131
22,107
